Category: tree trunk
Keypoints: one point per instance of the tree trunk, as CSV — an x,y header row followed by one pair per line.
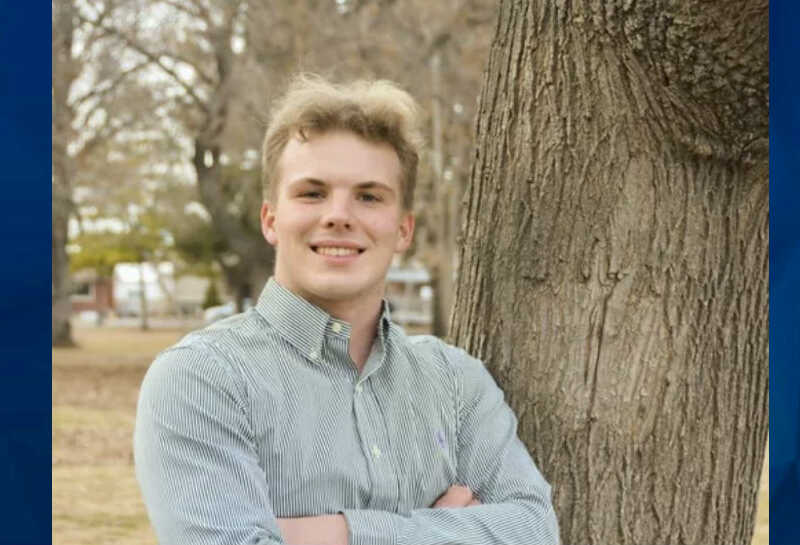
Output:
x,y
144,323
169,292
614,266
254,258
62,306
64,71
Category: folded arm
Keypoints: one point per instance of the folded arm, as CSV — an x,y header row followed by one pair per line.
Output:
x,y
202,484
332,529
511,502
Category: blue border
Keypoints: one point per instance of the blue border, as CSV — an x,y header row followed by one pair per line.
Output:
x,y
784,272
25,219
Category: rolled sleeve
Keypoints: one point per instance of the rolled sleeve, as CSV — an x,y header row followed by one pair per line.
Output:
x,y
370,527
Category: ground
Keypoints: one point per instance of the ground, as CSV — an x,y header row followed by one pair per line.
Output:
x,y
95,495
95,386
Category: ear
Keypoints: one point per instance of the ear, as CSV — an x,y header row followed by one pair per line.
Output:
x,y
406,231
268,223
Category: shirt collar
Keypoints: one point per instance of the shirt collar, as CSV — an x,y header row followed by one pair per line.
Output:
x,y
304,324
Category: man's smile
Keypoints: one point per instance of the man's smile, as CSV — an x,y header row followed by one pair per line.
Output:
x,y
337,248
336,251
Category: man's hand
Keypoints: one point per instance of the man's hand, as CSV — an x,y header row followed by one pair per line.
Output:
x,y
321,530
456,496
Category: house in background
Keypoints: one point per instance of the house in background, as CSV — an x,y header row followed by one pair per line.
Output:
x,y
91,293
190,293
166,294
130,280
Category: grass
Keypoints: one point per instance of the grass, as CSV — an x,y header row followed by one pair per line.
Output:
x,y
95,495
98,504
95,385
115,347
70,419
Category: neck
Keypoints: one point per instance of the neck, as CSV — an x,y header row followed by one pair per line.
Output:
x,y
363,317
362,314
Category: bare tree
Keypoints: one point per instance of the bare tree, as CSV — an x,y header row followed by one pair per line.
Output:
x,y
614,271
76,131
64,73
88,77
188,47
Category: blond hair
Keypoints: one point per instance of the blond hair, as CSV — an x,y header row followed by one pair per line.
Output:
x,y
376,110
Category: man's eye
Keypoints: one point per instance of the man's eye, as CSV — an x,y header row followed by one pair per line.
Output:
x,y
311,194
369,197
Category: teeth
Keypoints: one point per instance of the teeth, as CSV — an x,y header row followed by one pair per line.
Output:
x,y
329,250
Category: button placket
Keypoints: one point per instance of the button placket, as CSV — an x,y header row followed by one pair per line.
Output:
x,y
365,423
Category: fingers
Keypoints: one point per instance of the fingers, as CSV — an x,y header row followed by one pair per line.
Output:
x,y
474,502
456,496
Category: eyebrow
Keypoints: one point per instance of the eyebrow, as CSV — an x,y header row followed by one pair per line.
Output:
x,y
312,181
375,185
371,184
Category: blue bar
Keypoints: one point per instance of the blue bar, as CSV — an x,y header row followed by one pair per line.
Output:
x,y
784,273
25,220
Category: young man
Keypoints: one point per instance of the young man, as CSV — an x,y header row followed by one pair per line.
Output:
x,y
312,418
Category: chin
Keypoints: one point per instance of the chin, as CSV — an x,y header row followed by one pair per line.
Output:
x,y
344,289
335,292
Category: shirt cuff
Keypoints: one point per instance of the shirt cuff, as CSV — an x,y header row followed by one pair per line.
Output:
x,y
371,527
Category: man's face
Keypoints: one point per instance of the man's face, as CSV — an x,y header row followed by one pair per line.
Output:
x,y
337,218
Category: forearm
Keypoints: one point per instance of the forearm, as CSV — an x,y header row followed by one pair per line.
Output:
x,y
510,523
319,530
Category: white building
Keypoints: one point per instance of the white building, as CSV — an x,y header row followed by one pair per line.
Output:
x,y
131,278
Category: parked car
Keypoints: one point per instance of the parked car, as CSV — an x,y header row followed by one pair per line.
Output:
x,y
212,314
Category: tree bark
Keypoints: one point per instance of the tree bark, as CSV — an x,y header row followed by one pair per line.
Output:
x,y
144,322
614,265
254,257
64,72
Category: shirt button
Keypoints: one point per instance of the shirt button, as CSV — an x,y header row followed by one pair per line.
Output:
x,y
313,355
376,452
359,388
337,327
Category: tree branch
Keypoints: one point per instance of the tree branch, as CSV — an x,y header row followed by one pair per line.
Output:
x,y
102,134
177,6
155,58
102,91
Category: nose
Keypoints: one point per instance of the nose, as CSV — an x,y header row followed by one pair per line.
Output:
x,y
337,214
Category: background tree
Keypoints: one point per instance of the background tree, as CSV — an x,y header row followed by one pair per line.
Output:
x,y
211,298
79,125
189,49
96,101
128,189
614,271
65,71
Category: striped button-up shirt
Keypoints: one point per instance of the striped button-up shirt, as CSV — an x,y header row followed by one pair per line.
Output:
x,y
265,415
